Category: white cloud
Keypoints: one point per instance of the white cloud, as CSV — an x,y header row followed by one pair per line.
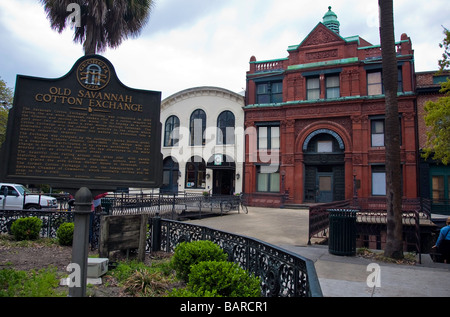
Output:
x,y
208,42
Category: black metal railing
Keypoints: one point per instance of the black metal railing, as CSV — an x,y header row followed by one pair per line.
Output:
x,y
372,219
51,220
282,273
170,206
441,206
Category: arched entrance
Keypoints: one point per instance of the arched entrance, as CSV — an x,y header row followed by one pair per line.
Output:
x,y
170,176
224,172
324,161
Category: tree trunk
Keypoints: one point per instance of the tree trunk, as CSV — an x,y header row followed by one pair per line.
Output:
x,y
90,40
394,240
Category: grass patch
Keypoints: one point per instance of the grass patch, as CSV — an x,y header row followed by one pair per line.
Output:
x,y
7,240
42,283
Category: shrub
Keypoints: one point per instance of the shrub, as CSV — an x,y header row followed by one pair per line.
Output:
x,y
187,254
26,228
65,233
222,279
147,283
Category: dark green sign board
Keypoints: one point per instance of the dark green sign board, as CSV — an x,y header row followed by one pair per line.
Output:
x,y
83,129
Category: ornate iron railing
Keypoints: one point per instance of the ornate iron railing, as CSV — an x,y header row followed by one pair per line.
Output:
x,y
283,274
171,206
51,220
372,219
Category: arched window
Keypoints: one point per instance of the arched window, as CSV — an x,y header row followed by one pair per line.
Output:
x,y
171,131
197,127
225,128
195,173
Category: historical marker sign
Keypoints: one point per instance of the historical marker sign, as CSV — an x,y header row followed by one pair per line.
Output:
x,y
84,129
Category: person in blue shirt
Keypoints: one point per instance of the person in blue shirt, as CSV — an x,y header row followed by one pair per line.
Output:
x,y
443,242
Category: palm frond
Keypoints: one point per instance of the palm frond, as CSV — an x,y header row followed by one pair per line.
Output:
x,y
104,23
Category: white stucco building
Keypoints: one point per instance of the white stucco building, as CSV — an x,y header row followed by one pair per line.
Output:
x,y
203,141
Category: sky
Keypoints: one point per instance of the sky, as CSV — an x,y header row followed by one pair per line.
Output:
x,y
196,43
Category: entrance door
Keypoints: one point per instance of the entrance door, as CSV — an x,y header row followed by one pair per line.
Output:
x,y
223,182
324,187
170,176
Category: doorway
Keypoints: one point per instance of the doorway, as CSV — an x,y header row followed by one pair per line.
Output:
x,y
170,176
324,185
223,181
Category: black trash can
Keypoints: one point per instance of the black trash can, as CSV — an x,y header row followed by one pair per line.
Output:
x,y
342,237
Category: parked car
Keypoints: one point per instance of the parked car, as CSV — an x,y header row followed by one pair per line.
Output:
x,y
18,197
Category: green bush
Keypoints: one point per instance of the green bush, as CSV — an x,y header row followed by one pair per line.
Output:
x,y
26,228
222,279
187,254
65,233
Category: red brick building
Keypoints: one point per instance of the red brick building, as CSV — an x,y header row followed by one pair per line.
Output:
x,y
315,120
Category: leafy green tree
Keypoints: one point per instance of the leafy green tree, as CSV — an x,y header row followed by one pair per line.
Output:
x,y
438,113
103,23
6,99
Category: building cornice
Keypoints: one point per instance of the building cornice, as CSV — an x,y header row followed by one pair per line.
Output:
x,y
204,91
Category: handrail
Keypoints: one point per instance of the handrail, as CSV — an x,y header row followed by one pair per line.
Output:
x,y
282,273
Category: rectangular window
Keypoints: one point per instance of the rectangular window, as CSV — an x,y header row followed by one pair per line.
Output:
x,y
269,137
378,181
269,92
312,88
262,93
274,138
268,179
400,80
377,133
277,92
324,146
437,188
448,189
374,83
332,86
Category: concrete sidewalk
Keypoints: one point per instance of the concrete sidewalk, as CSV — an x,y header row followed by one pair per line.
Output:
x,y
339,276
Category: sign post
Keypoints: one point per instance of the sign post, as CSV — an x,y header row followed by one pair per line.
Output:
x,y
85,131
80,245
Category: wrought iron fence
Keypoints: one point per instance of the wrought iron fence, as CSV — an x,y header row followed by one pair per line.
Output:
x,y
51,220
170,206
283,274
371,220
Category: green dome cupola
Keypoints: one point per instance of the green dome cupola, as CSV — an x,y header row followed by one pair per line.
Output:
x,y
330,20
